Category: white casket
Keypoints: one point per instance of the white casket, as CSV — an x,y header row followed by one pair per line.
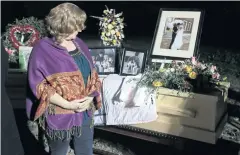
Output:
x,y
195,116
194,110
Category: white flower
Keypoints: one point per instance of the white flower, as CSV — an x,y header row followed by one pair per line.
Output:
x,y
113,32
194,62
110,26
203,66
121,26
213,69
108,34
172,69
118,15
104,25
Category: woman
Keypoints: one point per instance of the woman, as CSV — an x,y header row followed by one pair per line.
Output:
x,y
64,84
178,41
11,143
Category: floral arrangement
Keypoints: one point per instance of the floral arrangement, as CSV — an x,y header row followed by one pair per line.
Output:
x,y
111,27
23,32
184,76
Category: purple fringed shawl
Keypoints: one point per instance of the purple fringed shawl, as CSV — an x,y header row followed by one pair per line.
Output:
x,y
52,70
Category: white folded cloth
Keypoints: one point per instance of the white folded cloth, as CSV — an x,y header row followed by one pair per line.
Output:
x,y
141,96
117,113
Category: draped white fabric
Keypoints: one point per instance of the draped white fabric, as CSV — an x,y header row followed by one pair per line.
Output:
x,y
141,109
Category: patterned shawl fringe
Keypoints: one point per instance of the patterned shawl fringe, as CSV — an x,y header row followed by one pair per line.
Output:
x,y
64,134
61,134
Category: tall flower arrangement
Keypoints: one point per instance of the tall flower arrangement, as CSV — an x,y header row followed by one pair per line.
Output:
x,y
111,27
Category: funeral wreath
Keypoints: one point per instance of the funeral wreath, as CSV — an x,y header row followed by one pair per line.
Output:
x,y
24,32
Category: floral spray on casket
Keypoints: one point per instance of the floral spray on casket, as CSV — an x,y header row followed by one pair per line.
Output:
x,y
184,76
111,27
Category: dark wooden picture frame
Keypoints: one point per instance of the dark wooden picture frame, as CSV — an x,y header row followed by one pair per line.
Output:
x,y
103,66
136,58
161,29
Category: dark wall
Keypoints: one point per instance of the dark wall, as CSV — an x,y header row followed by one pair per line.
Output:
x,y
220,28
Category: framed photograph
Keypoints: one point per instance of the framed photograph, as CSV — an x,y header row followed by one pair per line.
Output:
x,y
104,59
133,61
177,33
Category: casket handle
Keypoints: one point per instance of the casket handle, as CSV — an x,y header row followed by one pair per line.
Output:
x,y
177,112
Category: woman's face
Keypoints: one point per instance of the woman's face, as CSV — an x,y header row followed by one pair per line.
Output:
x,y
72,36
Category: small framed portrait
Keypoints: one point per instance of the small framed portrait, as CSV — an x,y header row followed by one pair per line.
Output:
x,y
104,59
133,61
177,33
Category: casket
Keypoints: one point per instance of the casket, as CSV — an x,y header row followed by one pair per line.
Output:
x,y
197,110
193,116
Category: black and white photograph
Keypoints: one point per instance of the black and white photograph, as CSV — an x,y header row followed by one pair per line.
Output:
x,y
177,33
133,62
104,60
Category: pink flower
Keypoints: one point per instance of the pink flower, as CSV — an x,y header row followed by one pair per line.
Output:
x,y
199,65
216,76
9,51
194,62
213,69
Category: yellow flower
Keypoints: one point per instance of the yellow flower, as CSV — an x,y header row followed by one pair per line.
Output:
x,y
113,23
114,41
105,11
188,69
110,26
162,70
157,83
192,75
103,33
118,34
105,19
105,38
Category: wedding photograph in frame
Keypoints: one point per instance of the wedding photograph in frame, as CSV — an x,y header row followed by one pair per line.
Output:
x,y
133,61
104,59
177,33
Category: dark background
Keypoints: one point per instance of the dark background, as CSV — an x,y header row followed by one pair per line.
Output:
x,y
221,27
